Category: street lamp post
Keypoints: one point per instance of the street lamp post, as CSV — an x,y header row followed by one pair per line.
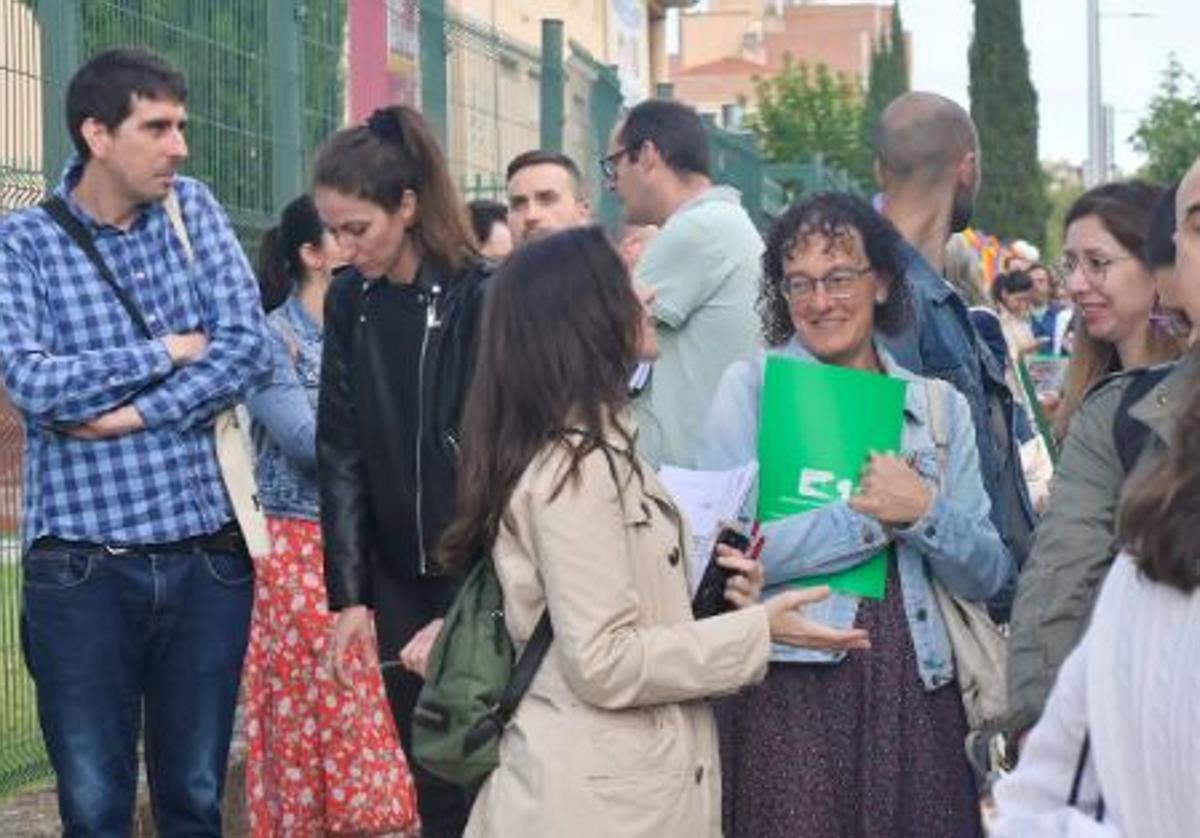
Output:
x,y
1100,124
1097,169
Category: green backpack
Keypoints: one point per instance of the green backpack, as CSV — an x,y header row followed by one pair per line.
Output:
x,y
473,683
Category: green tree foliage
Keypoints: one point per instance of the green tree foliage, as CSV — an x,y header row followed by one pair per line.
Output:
x,y
1012,201
222,48
887,79
804,112
1169,133
897,54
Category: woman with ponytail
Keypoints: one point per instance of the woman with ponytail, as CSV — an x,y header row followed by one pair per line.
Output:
x,y
313,745
397,357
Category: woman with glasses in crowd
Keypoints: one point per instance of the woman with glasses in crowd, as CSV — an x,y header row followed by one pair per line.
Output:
x,y
1112,289
1113,236
835,744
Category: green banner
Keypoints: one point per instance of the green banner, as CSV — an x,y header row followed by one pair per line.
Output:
x,y
818,425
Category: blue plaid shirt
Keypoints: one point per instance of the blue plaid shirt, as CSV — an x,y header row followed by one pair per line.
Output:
x,y
69,353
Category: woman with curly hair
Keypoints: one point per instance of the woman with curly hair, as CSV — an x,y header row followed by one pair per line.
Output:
x,y
864,744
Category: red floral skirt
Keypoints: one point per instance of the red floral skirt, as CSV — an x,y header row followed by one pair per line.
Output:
x,y
321,758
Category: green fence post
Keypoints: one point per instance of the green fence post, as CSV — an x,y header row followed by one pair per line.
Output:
x,y
607,101
752,195
61,24
287,142
553,85
434,50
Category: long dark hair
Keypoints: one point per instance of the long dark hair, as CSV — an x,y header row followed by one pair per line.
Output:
x,y
557,340
828,215
1160,514
393,153
280,268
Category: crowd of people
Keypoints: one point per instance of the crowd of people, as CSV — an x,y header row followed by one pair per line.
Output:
x,y
427,383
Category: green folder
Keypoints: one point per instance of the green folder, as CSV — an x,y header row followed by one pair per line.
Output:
x,y
817,426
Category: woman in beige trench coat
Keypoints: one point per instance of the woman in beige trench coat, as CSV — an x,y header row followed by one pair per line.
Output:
x,y
615,737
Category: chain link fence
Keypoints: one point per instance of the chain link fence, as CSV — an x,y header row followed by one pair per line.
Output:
x,y
493,105
22,757
266,83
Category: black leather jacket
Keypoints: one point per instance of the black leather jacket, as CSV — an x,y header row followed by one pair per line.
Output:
x,y
375,491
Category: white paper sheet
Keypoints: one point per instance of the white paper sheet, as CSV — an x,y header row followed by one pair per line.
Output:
x,y
706,498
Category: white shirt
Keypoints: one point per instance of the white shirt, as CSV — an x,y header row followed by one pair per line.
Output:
x,y
1133,684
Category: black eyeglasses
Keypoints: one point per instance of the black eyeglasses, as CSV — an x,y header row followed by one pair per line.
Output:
x,y
838,284
608,164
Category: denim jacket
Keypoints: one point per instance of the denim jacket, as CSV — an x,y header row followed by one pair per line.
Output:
x,y
955,541
283,412
942,343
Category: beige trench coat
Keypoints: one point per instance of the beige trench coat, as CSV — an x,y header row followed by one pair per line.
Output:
x,y
615,738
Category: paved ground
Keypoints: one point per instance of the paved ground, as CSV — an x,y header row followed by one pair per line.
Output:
x,y
32,814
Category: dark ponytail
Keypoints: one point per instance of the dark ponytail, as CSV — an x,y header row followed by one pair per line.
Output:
x,y
395,152
280,268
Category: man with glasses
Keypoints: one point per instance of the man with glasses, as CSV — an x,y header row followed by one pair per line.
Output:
x,y
703,265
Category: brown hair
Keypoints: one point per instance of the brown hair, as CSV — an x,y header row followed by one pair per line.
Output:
x,y
393,153
558,339
1124,211
1160,514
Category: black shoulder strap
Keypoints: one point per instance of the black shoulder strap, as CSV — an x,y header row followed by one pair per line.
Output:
x,y
58,210
526,667
1130,433
493,723
1077,781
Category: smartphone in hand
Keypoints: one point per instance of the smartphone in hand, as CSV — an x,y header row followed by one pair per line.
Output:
x,y
710,596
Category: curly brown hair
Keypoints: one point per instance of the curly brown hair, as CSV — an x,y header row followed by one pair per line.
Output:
x,y
829,216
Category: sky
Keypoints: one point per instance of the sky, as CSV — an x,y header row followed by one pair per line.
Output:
x,y
1133,55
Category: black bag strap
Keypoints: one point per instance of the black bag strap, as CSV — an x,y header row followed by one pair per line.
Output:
x,y
526,667
491,725
58,210
1077,782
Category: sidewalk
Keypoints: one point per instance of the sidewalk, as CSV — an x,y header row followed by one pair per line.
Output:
x,y
34,813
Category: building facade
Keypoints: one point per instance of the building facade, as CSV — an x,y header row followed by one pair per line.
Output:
x,y
726,48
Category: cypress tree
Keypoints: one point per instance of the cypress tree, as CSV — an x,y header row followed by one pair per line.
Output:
x,y
887,79
898,53
1012,201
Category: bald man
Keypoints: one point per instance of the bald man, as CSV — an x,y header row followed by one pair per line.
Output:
x,y
1120,432
927,164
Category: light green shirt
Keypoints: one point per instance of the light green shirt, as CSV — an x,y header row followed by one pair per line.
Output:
x,y
704,266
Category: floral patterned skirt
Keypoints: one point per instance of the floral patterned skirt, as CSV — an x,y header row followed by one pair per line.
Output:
x,y
321,758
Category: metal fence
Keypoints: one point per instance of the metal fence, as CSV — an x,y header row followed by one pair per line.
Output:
x,y
22,757
493,105
266,84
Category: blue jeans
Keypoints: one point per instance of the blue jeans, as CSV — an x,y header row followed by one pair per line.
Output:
x,y
112,639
